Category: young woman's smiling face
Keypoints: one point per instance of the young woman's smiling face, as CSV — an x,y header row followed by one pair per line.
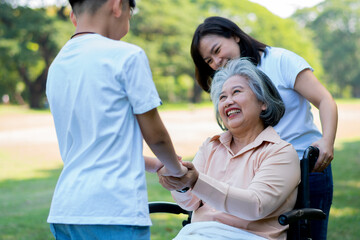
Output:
x,y
217,50
238,106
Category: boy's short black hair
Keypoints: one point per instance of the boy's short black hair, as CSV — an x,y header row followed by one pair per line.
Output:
x,y
77,7
132,3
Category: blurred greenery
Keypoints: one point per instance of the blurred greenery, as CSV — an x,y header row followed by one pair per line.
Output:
x,y
336,32
166,38
31,37
29,41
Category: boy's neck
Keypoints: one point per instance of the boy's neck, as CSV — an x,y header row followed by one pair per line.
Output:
x,y
94,23
91,24
111,20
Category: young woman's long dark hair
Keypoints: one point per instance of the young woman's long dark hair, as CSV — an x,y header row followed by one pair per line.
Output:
x,y
249,47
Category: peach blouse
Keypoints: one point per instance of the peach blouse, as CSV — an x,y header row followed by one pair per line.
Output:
x,y
248,189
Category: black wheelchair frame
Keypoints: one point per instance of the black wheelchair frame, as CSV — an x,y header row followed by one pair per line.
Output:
x,y
298,219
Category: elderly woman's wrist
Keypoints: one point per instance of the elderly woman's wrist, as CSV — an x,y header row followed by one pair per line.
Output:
x,y
192,185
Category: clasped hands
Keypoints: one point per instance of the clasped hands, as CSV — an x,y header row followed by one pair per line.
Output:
x,y
178,183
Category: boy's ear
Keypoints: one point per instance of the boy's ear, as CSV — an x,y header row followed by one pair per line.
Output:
x,y
73,18
117,7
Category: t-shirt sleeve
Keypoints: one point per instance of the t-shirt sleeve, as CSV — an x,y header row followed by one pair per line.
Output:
x,y
139,85
291,65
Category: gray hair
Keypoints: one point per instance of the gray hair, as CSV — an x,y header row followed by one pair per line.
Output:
x,y
259,83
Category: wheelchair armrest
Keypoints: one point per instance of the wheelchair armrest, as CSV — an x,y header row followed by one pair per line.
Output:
x,y
301,214
169,207
166,207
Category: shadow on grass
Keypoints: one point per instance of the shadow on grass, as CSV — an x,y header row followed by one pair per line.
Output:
x,y
24,206
165,226
345,212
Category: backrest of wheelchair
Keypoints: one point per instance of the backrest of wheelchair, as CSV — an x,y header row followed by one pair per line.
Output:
x,y
307,164
300,229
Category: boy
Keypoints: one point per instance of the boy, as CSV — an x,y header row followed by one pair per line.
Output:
x,y
103,102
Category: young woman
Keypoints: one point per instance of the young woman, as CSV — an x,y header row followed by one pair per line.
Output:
x,y
218,40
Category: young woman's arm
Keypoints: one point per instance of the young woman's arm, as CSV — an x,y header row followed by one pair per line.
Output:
x,y
309,87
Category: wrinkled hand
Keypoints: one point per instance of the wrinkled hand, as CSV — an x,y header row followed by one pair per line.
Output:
x,y
178,183
326,154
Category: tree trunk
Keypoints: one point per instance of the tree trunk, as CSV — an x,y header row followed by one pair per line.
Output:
x,y
196,98
19,99
356,92
35,100
37,90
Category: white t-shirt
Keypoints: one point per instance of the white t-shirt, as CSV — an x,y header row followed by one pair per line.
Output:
x,y
296,126
95,86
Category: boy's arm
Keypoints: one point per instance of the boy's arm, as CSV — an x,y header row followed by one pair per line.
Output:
x,y
158,140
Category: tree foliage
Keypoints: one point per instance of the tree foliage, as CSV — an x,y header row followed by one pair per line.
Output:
x,y
164,29
336,27
30,39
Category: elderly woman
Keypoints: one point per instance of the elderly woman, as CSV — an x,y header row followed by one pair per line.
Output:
x,y
241,180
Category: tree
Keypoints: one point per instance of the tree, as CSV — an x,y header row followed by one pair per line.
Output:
x,y
29,41
165,34
336,28
272,30
164,29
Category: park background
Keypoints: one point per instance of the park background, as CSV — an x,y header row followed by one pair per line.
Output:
x,y
327,35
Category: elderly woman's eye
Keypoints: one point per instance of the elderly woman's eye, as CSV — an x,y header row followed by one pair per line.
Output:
x,y
222,97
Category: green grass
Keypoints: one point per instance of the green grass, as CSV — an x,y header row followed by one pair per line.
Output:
x,y
6,109
165,226
348,101
345,212
24,203
183,106
27,184
15,109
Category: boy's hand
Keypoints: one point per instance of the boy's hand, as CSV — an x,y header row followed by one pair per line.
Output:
x,y
175,183
165,172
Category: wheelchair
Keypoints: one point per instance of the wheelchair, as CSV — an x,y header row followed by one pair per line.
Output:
x,y
298,219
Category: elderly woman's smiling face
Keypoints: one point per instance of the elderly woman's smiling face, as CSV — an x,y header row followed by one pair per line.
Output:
x,y
238,106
